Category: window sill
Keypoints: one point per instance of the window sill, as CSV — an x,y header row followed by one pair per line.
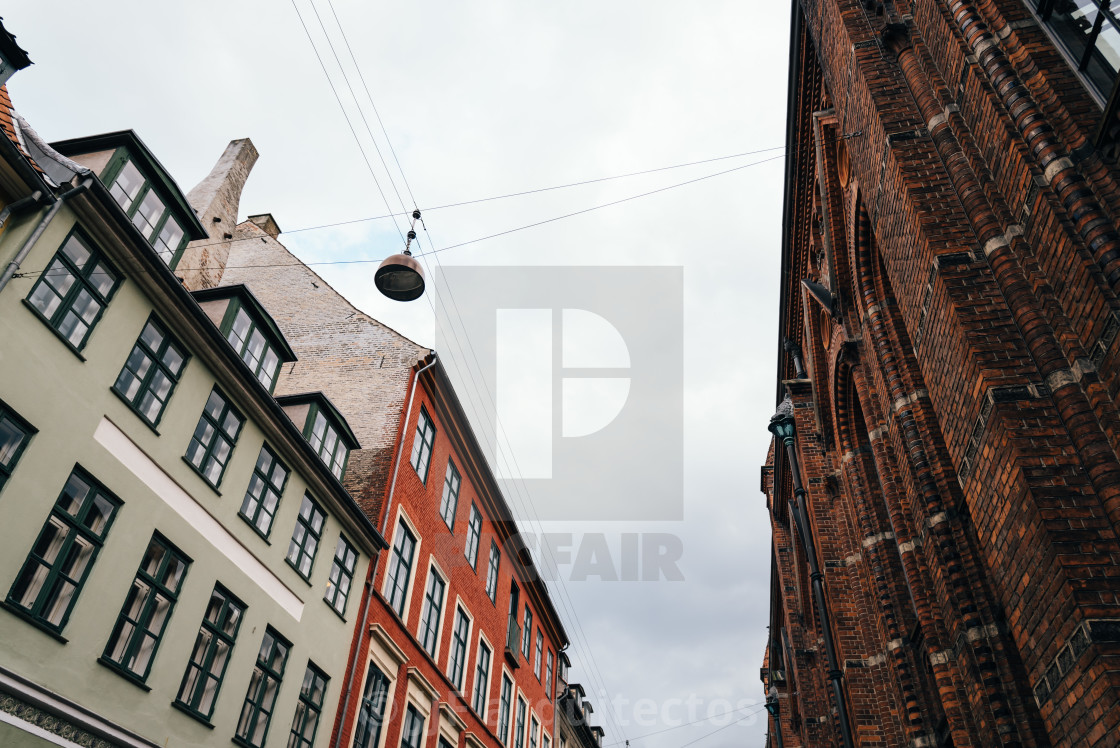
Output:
x,y
21,613
243,742
335,610
132,407
69,346
192,714
198,472
299,574
256,529
130,677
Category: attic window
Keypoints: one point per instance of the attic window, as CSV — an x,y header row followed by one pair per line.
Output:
x,y
247,338
324,439
147,209
324,428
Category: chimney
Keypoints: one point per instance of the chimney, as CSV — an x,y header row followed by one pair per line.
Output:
x,y
266,223
215,200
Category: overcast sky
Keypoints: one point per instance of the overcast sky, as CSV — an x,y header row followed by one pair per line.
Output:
x,y
487,98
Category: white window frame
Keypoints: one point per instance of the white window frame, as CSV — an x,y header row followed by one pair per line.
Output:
x,y
402,516
432,564
489,676
461,605
388,657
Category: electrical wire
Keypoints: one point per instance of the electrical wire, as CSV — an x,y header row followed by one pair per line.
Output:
x,y
602,205
363,261
344,114
466,336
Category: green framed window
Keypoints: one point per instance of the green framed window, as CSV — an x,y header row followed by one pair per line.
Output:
x,y
214,438
422,444
341,576
481,679
537,654
147,210
412,733
371,713
151,372
460,633
248,339
258,508
474,532
212,647
305,537
492,573
527,634
324,439
309,707
256,713
549,691
15,433
150,601
504,701
450,500
400,568
74,290
433,610
51,579
519,724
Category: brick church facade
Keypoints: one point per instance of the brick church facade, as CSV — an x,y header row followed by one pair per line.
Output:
x,y
944,485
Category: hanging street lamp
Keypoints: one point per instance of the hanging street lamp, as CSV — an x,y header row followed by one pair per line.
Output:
x,y
400,277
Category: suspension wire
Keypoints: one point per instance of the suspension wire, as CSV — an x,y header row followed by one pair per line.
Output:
x,y
392,182
603,205
363,261
345,115
354,96
474,384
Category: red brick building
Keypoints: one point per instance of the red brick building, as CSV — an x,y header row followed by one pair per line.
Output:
x,y
460,627
944,494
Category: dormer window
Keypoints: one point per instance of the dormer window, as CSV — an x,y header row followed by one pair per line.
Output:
x,y
251,345
142,188
149,213
324,428
250,330
324,439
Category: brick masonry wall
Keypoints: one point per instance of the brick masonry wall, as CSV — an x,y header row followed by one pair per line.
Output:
x,y
363,366
961,415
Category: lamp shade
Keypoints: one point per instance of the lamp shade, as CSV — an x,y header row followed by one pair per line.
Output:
x,y
782,422
400,278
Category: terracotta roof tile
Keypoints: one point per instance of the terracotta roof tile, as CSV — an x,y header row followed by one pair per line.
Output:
x,y
7,124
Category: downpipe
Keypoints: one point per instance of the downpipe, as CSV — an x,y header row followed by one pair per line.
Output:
x,y
816,577
369,586
30,242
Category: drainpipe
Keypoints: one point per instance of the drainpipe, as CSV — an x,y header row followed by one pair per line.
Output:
x,y
400,447
19,205
774,709
782,426
369,586
357,654
25,250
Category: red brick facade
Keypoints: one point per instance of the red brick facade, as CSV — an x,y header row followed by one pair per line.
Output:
x,y
956,418
416,504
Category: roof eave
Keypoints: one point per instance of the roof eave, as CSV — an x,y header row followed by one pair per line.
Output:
x,y
129,139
